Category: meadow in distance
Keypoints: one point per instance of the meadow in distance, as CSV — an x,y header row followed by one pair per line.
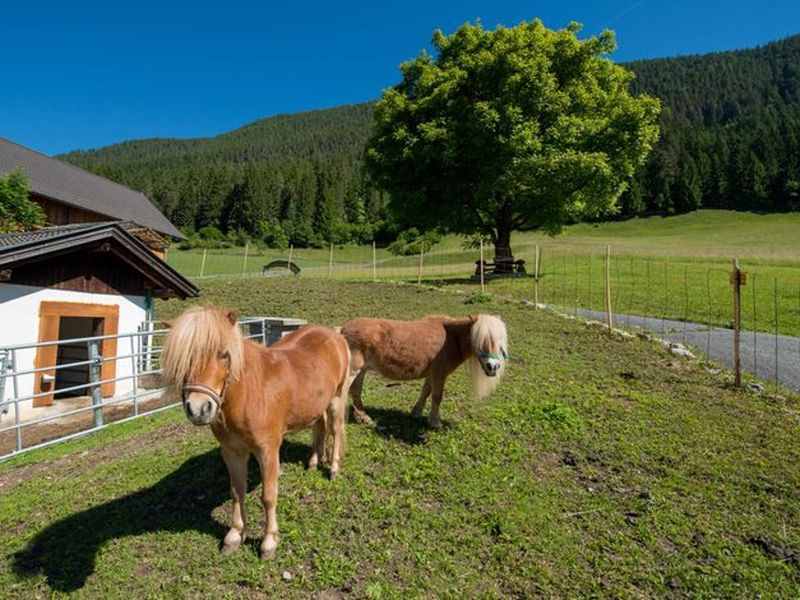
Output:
x,y
674,267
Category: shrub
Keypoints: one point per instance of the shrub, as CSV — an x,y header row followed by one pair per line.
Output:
x,y
412,242
210,233
273,235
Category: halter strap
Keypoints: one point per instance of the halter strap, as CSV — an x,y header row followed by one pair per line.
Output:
x,y
216,397
493,355
204,389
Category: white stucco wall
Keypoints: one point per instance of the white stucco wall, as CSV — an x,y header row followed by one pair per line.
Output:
x,y
19,324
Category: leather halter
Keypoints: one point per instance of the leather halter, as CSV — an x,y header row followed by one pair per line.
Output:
x,y
216,397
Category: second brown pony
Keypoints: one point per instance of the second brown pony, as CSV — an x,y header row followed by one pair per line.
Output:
x,y
428,349
252,396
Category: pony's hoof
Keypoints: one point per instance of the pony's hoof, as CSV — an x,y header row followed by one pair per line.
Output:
x,y
268,548
227,550
435,424
231,543
334,475
362,417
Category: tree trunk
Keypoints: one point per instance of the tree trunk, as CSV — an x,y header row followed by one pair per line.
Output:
x,y
503,258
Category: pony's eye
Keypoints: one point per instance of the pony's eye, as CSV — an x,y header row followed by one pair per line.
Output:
x,y
223,355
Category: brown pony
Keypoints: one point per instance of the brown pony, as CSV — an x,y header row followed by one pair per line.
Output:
x,y
429,349
252,396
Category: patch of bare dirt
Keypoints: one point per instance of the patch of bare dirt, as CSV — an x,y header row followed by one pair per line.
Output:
x,y
77,462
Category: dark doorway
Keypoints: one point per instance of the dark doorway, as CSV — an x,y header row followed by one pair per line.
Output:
x,y
70,375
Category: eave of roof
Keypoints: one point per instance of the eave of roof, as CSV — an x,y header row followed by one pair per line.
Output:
x,y
24,248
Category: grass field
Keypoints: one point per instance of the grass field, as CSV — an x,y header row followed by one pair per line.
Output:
x,y
601,467
673,267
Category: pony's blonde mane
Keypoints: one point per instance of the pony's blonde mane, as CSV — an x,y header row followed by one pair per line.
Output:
x,y
488,331
196,337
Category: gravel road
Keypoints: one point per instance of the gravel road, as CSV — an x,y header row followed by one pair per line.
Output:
x,y
761,353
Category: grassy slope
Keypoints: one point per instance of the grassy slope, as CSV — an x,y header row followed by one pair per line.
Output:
x,y
601,467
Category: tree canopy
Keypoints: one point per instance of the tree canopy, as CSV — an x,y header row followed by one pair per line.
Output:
x,y
511,129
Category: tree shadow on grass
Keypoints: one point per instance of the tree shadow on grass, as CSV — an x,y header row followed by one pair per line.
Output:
x,y
65,552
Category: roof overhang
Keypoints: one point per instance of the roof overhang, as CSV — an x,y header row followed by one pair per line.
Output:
x,y
163,280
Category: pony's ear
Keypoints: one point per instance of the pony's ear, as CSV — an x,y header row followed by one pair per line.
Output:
x,y
231,314
168,324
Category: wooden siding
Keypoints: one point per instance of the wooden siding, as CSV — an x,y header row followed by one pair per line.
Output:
x,y
91,271
57,213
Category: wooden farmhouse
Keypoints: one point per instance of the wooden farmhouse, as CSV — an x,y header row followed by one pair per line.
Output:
x,y
94,270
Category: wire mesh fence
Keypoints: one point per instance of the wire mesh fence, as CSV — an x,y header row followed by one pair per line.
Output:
x,y
688,298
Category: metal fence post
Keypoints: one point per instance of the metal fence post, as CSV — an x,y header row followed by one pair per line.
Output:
x,y
17,418
95,378
135,375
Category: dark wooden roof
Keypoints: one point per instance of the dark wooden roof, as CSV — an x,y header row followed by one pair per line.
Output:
x,y
23,249
70,185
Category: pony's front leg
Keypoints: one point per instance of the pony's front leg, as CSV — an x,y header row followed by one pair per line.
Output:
x,y
237,469
416,412
269,463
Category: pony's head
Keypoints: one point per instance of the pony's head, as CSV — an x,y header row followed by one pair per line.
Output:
x,y
201,354
489,341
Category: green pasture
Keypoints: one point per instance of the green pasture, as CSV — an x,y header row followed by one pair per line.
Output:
x,y
601,467
671,267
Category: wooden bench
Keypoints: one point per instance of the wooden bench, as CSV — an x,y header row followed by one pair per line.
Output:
x,y
280,264
501,267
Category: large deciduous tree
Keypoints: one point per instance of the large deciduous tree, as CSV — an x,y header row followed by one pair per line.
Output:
x,y
512,129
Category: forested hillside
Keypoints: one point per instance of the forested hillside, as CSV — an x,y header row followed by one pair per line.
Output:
x,y
287,178
730,138
730,131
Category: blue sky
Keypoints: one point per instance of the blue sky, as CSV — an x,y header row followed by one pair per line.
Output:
x,y
87,74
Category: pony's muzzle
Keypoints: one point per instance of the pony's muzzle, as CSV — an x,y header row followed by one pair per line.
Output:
x,y
200,409
491,366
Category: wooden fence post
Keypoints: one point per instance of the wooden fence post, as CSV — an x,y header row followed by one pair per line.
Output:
x,y
374,263
737,280
330,261
536,277
291,251
244,260
203,263
419,271
483,279
609,318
